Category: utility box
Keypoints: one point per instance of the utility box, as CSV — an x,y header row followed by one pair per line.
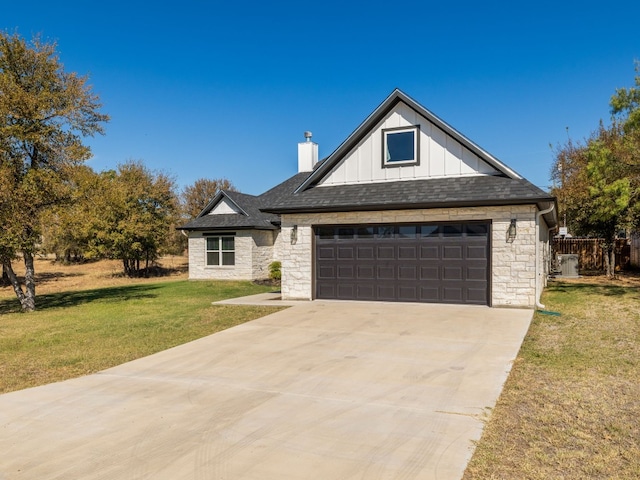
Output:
x,y
568,263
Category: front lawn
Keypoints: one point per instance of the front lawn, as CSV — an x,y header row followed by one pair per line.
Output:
x,y
570,408
83,331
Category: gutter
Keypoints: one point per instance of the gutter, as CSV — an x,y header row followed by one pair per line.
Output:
x,y
538,289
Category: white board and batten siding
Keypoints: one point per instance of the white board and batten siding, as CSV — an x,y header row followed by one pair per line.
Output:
x,y
440,155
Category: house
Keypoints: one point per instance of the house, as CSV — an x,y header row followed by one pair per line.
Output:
x,y
406,209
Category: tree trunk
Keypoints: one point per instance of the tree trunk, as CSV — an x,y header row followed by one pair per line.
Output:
x,y
15,283
29,304
5,282
610,261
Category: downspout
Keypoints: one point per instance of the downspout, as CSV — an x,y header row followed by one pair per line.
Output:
x,y
538,290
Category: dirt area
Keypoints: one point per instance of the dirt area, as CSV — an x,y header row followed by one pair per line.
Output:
x,y
52,276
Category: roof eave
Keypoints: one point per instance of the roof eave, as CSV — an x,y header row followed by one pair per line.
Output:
x,y
214,229
408,206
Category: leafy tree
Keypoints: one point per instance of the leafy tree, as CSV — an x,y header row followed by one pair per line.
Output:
x,y
67,229
599,181
44,114
625,103
195,197
137,213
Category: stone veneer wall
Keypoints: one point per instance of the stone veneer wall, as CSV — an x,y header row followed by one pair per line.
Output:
x,y
513,264
254,253
262,253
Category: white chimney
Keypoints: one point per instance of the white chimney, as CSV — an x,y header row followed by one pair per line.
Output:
x,y
307,154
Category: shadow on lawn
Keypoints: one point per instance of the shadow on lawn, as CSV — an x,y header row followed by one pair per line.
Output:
x,y
73,299
592,288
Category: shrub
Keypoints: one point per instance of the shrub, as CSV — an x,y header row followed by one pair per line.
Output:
x,y
274,270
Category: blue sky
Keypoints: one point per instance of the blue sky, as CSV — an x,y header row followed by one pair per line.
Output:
x,y
226,89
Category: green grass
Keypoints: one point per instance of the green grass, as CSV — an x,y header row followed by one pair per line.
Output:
x,y
81,332
571,406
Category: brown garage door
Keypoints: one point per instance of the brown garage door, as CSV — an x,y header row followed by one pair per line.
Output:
x,y
438,263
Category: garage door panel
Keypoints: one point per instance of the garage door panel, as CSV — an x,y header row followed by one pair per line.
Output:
x,y
407,272
452,272
326,253
452,294
346,291
452,252
429,252
366,291
386,252
385,272
326,290
365,252
408,252
326,272
386,293
346,272
365,272
446,263
408,293
429,294
429,273
477,296
478,252
346,253
477,273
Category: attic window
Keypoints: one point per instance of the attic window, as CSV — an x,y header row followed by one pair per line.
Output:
x,y
400,146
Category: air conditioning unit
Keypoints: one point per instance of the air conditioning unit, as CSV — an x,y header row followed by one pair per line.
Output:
x,y
568,263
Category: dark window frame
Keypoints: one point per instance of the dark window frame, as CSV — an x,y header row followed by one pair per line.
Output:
x,y
415,129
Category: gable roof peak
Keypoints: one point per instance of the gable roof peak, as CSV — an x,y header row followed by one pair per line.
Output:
x,y
395,97
223,194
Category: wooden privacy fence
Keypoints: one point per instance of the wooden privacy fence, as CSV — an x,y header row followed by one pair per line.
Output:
x,y
590,252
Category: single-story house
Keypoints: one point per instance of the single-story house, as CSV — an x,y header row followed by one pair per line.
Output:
x,y
406,209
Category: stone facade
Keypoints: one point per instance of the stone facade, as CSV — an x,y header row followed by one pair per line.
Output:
x,y
513,263
253,254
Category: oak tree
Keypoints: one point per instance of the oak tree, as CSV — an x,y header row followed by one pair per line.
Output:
x,y
45,112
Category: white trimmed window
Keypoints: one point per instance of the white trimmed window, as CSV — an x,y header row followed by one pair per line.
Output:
x,y
220,251
400,146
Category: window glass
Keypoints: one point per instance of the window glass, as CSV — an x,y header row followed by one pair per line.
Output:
x,y
212,243
400,146
386,232
429,230
213,258
452,230
365,232
407,231
475,230
227,243
325,233
345,232
228,258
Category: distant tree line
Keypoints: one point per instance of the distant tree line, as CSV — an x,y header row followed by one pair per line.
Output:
x,y
597,181
50,201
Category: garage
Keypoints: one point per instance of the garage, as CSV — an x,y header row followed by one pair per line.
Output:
x,y
431,263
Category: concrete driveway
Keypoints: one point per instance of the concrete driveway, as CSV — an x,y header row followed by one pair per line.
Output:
x,y
322,390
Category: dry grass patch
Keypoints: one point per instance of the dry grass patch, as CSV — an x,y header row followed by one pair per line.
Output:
x,y
571,406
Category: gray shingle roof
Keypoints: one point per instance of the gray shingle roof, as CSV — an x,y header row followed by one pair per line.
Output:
x,y
424,193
